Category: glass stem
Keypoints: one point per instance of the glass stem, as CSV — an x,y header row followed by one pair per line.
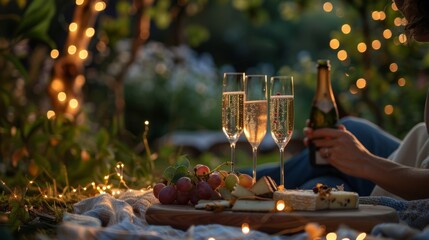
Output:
x,y
282,167
232,157
254,151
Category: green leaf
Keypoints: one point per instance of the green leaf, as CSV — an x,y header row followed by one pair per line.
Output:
x,y
102,139
17,64
181,171
169,173
36,20
183,161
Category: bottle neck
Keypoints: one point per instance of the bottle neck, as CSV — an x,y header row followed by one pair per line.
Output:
x,y
324,98
324,89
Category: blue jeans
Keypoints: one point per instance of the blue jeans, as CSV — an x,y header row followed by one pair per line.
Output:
x,y
299,173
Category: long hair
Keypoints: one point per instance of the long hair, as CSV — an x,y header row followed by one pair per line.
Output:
x,y
417,13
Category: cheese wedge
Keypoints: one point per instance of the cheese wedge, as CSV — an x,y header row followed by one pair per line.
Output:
x,y
343,200
254,205
307,200
264,187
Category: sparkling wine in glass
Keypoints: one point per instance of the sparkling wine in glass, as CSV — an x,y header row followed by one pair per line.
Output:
x,y
232,109
255,112
281,114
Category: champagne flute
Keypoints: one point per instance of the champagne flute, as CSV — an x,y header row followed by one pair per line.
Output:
x,y
255,112
281,114
232,109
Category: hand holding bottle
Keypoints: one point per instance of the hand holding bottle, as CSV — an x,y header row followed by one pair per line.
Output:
x,y
340,148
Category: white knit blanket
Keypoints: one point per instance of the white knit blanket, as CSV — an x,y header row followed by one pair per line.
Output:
x,y
106,217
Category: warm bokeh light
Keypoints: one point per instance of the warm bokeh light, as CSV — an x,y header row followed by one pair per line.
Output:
x,y
79,2
375,15
402,82
83,54
388,109
334,43
327,7
361,236
394,7
342,55
55,53
393,67
245,228
50,114
73,27
382,15
90,32
387,34
376,44
62,96
57,85
71,49
79,81
346,29
100,6
361,47
353,89
402,38
331,236
361,83
397,21
73,103
280,205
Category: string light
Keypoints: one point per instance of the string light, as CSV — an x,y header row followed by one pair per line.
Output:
x,y
79,2
361,83
375,15
328,7
50,114
388,109
73,27
57,85
376,44
342,55
54,53
72,49
387,33
402,38
393,67
361,236
361,47
401,82
245,228
397,21
394,7
73,103
83,54
334,43
100,6
331,236
90,32
62,96
346,29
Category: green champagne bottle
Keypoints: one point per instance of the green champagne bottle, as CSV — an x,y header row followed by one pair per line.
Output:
x,y
324,112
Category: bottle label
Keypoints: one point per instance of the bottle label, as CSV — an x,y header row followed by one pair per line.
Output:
x,y
324,105
319,160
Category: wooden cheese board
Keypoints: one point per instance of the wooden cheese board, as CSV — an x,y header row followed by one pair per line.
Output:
x,y
182,217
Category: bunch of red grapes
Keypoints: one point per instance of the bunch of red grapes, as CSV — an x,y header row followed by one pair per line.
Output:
x,y
201,184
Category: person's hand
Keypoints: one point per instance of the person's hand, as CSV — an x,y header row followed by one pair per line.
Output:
x,y
341,149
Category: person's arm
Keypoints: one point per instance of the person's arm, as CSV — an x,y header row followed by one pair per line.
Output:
x,y
344,151
407,182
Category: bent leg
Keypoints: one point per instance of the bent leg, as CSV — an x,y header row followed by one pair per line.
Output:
x,y
298,170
